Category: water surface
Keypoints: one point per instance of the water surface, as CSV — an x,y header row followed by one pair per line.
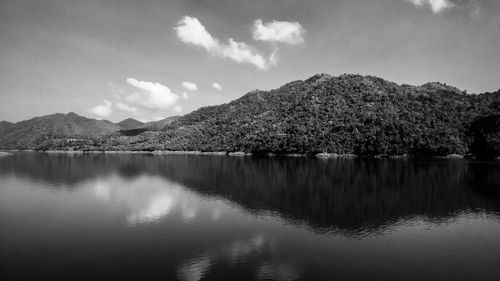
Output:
x,y
194,217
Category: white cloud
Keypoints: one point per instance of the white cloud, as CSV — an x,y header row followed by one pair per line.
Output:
x,y
436,5
151,95
217,86
241,52
191,31
278,31
185,95
178,109
126,107
190,86
102,110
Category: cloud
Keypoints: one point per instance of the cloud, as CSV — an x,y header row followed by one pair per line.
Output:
x,y
185,95
189,86
241,52
278,31
178,108
151,95
191,31
126,107
102,110
217,86
437,6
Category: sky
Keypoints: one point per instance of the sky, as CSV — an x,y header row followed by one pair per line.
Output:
x,y
152,59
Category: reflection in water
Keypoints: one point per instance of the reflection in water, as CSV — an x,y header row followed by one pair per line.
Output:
x,y
102,190
240,249
281,272
195,269
237,252
147,199
157,207
187,217
188,212
352,195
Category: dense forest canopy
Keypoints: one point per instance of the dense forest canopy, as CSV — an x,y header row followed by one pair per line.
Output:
x,y
349,114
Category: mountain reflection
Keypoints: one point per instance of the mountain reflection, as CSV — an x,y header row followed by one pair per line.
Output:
x,y
353,195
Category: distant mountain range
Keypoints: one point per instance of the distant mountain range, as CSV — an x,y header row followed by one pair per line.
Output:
x,y
349,114
30,134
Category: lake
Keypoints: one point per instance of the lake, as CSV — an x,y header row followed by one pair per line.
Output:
x,y
198,217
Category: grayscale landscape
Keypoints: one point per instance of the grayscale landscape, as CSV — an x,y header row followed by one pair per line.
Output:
x,y
249,140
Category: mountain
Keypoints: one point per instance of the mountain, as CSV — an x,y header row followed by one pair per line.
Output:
x,y
4,125
31,133
160,124
129,123
486,136
349,114
150,126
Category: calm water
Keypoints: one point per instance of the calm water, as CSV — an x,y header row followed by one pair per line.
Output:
x,y
187,217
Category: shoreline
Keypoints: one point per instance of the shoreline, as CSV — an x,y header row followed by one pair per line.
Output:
x,y
322,155
189,152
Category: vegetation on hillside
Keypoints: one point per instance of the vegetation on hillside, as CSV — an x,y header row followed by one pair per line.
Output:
x,y
486,136
129,123
32,133
350,114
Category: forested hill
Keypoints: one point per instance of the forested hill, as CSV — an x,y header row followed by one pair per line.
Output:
x,y
160,124
129,123
4,125
350,114
30,134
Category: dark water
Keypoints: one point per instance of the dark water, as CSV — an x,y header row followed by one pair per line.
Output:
x,y
187,217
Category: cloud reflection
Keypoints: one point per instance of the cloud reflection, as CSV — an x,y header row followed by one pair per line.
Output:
x,y
102,190
157,207
241,249
189,211
146,200
195,269
237,253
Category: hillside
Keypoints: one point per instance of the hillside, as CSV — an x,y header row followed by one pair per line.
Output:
x,y
31,133
129,123
4,125
350,114
150,126
160,124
